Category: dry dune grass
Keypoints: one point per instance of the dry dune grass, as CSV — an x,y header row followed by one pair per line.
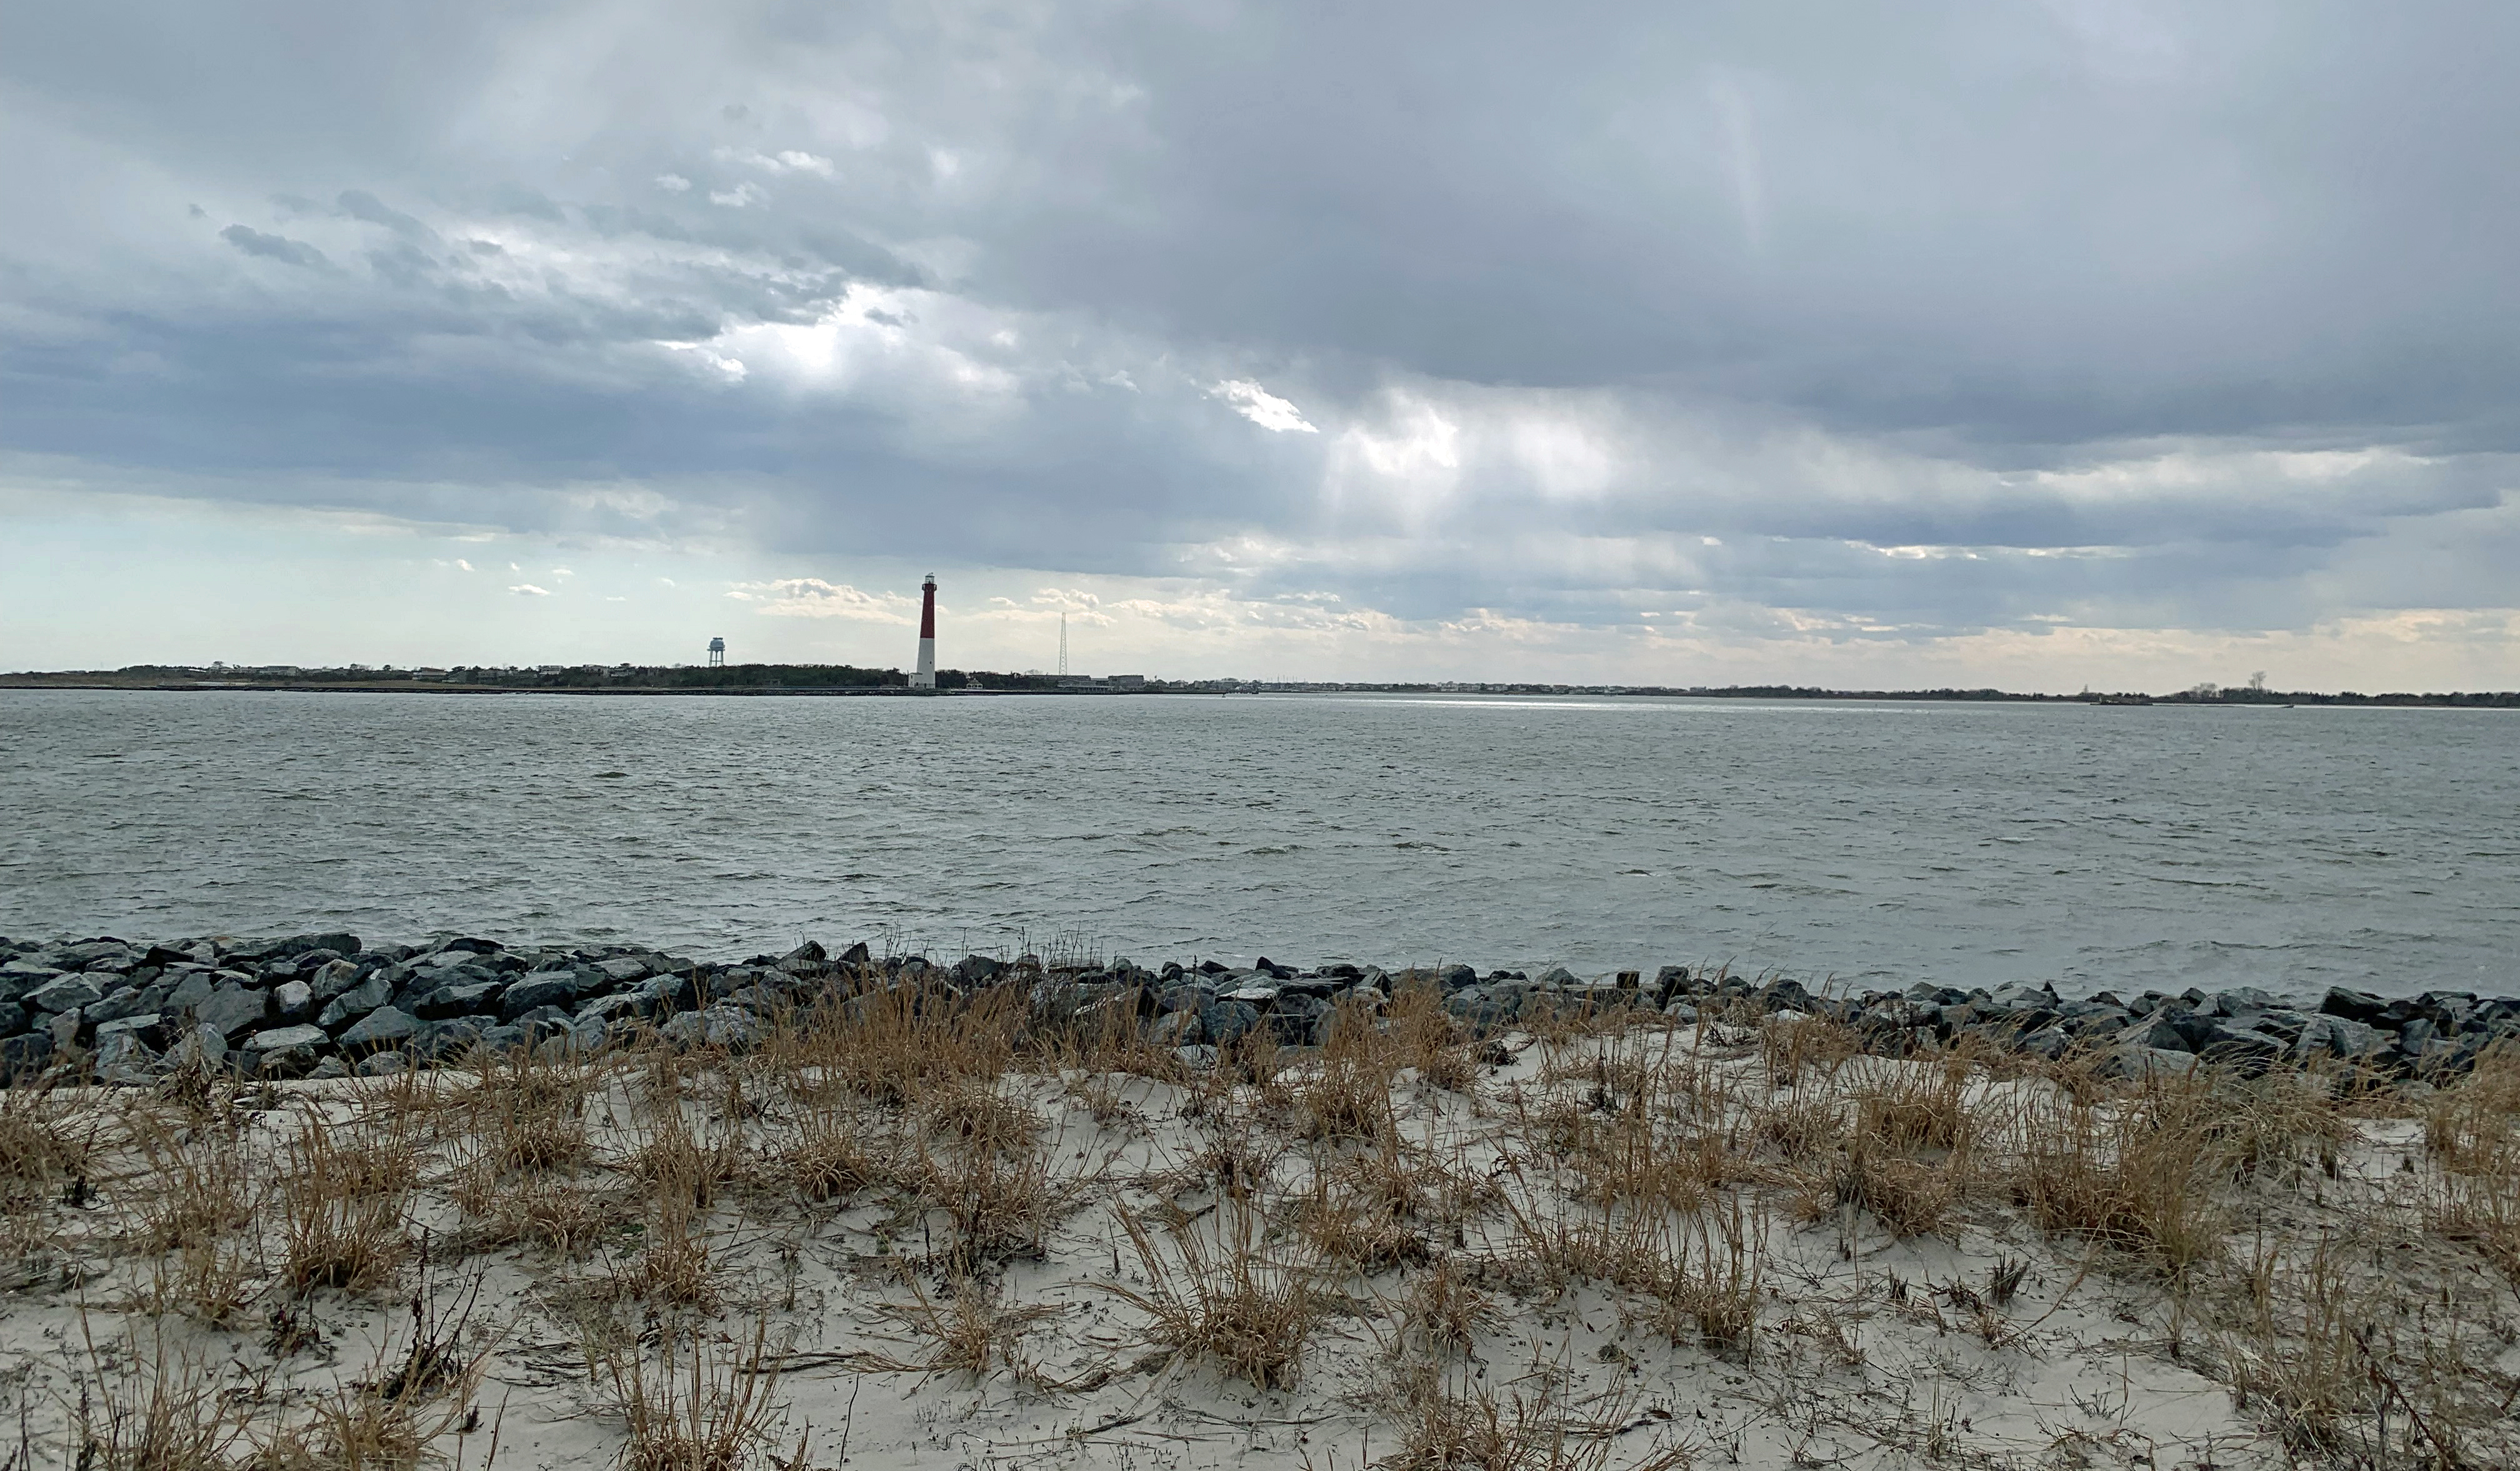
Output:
x,y
2473,1132
1048,1206
1221,1297
2140,1174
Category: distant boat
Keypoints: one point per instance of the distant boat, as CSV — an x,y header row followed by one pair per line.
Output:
x,y
2121,699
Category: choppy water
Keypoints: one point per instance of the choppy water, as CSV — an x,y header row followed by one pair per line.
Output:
x,y
1876,843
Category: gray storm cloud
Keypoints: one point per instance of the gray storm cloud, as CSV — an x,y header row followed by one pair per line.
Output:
x,y
1948,317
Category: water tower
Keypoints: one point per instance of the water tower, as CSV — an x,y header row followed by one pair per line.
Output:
x,y
717,654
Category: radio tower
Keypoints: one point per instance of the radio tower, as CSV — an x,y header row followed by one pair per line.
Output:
x,y
925,677
1062,645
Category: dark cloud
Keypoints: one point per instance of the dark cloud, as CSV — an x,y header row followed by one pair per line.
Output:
x,y
274,248
1960,315
359,204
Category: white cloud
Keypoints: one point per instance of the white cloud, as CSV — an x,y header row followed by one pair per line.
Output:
x,y
465,566
813,598
741,195
562,572
672,183
786,162
1262,407
528,590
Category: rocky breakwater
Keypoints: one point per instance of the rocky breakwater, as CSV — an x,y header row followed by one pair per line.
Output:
x,y
326,1004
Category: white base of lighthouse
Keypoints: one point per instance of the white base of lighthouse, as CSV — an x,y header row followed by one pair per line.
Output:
x,y
925,677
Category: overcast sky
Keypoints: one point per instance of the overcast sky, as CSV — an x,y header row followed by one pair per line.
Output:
x,y
2038,343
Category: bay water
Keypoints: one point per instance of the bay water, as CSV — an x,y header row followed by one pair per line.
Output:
x,y
1866,844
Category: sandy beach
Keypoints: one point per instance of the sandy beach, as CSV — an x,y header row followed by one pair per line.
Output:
x,y
909,1223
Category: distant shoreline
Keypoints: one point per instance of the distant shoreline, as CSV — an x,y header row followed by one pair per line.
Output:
x,y
782,680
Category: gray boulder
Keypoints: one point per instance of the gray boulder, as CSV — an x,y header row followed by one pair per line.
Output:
x,y
624,970
539,989
467,1000
448,1040
13,1018
2240,1000
334,979
1486,1007
2245,1047
2333,1036
1560,975
122,1058
2160,1034
383,1027
234,1009
25,1054
198,1047
191,989
288,1051
543,1021
64,993
725,1027
674,991
1225,1019
440,966
2048,1041
293,1002
144,1026
2353,1005
355,1002
1296,1019
1175,1029
122,1002
2138,1063
22,975
605,1010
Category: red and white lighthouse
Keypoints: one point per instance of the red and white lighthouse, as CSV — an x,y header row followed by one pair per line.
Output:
x,y
925,677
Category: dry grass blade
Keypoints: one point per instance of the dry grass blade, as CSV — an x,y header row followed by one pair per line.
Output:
x,y
1477,1430
1426,1036
2137,1174
694,1408
39,1147
1445,1312
972,1331
830,1156
676,1263
1219,1298
677,1166
530,1115
344,1206
997,1203
154,1410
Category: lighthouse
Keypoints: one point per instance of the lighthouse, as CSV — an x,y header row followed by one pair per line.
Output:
x,y
925,677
